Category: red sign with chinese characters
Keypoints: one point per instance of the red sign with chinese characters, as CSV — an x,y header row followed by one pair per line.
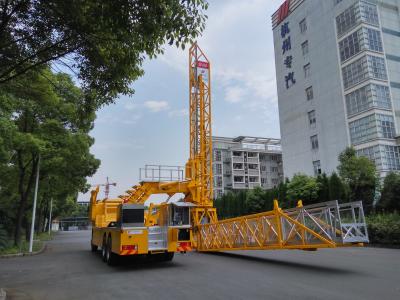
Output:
x,y
202,64
283,11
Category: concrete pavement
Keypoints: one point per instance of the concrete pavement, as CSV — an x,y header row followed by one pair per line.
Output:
x,y
68,270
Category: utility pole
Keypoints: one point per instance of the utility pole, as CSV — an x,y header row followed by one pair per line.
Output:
x,y
51,210
34,207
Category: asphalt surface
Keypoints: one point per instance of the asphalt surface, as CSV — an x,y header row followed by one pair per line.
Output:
x,y
68,270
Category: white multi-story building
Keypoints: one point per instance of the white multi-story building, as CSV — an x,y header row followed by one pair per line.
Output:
x,y
245,163
338,79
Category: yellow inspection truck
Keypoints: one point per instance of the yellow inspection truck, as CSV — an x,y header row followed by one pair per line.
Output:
x,y
122,229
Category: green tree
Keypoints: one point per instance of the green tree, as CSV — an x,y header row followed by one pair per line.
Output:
x,y
337,190
255,200
323,192
281,194
359,174
103,42
3,238
302,187
390,196
43,114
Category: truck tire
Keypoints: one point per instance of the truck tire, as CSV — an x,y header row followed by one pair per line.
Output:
x,y
93,247
104,249
111,257
169,256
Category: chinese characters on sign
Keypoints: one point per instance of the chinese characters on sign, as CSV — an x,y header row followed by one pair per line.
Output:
x,y
202,68
288,60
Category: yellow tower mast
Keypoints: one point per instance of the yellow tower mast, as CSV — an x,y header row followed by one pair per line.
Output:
x,y
199,166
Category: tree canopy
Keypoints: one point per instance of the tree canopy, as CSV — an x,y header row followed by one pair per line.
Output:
x,y
390,196
359,173
41,114
303,187
103,43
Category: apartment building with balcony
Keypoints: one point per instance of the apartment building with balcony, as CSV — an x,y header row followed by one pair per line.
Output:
x,y
245,162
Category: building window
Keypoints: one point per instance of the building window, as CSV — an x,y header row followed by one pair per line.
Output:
x,y
253,179
304,48
386,127
362,39
252,154
309,93
238,179
385,157
377,66
218,181
317,167
314,142
347,19
218,169
350,46
307,70
354,15
372,127
263,168
355,72
263,181
253,167
373,39
369,13
367,97
274,169
238,166
303,26
237,154
217,155
311,118
366,67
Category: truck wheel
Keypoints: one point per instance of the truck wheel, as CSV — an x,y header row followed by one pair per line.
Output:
x,y
104,249
111,257
169,256
93,247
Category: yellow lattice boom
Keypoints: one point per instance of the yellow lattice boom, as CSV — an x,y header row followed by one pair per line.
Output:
x,y
325,225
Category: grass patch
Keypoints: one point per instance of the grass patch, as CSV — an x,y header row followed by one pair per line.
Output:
x,y
38,241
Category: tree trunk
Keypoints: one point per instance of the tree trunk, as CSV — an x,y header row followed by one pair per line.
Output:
x,y
24,191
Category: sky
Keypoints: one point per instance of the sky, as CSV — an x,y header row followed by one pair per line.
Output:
x,y
151,126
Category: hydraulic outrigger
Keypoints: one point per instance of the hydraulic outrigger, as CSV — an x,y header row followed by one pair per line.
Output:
x,y
122,226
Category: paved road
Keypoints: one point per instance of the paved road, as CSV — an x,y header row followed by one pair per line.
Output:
x,y
68,270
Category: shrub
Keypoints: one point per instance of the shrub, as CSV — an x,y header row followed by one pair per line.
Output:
x,y
3,238
384,228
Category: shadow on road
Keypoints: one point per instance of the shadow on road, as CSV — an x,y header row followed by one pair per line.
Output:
x,y
136,263
284,264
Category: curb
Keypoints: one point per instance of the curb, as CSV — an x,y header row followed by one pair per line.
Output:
x,y
3,294
44,246
383,246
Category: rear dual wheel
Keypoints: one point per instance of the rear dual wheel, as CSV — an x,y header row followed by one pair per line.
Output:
x,y
93,247
111,257
104,249
167,256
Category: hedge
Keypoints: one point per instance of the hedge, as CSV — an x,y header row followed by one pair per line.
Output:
x,y
384,228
